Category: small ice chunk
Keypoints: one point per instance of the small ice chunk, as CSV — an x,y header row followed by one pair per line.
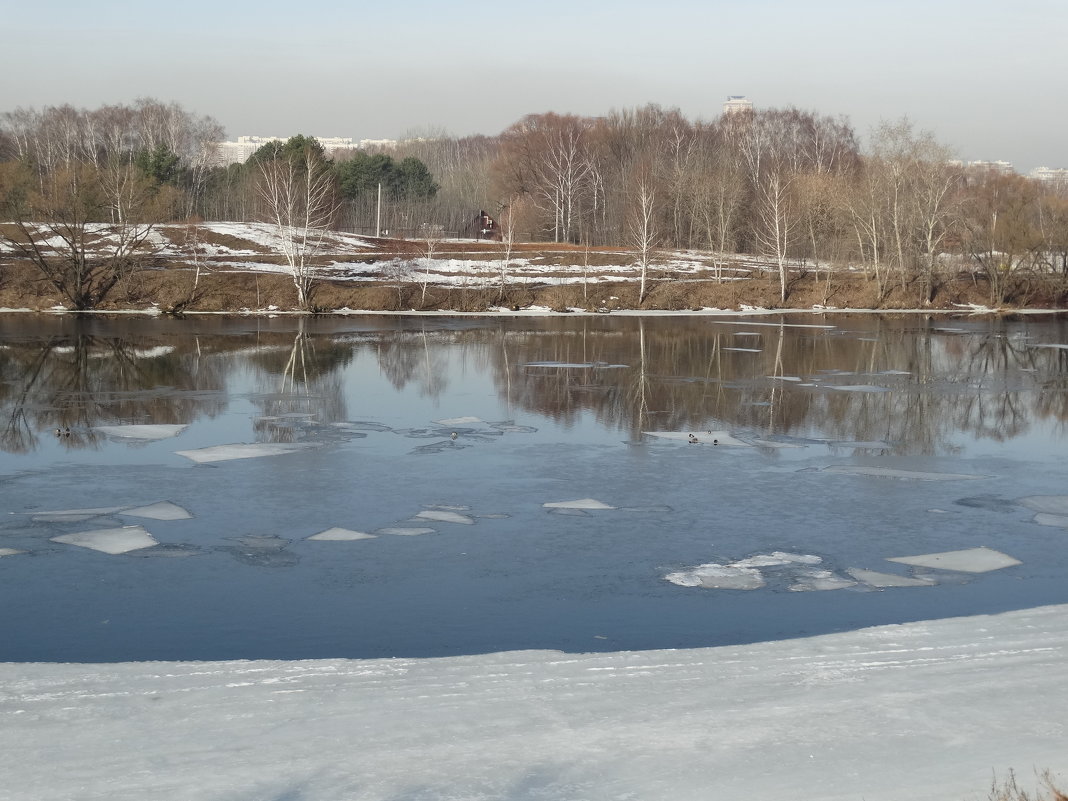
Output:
x,y
890,472
777,558
444,516
819,581
458,421
1044,519
877,579
10,551
599,365
341,535
141,432
74,515
1050,504
857,388
1055,346
718,577
970,560
164,510
784,377
271,542
243,450
401,531
774,443
707,437
745,350
582,503
875,445
110,540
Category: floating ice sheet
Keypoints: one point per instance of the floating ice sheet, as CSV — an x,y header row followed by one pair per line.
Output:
x,y
164,510
401,531
242,450
141,432
10,551
891,472
581,503
341,535
718,577
857,388
707,437
745,350
971,560
598,365
1049,504
110,540
1058,521
819,581
445,516
777,558
874,445
74,515
874,578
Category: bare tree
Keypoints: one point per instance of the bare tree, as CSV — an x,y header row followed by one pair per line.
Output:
x,y
300,198
85,228
778,223
643,233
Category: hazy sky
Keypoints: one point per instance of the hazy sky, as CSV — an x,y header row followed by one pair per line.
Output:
x,y
989,79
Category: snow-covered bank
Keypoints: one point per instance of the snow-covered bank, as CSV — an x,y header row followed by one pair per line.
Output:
x,y
919,711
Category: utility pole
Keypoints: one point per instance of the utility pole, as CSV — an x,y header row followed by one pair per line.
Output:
x,y
378,213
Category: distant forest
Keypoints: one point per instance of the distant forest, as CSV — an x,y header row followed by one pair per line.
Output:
x,y
784,184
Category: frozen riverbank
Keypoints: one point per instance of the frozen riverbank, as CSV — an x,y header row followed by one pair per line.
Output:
x,y
920,711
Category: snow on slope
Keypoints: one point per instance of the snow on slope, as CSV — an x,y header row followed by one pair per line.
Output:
x,y
919,711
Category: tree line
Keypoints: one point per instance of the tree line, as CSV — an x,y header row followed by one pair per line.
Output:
x,y
791,186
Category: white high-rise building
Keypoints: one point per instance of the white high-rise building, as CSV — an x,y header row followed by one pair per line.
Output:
x,y
239,151
737,104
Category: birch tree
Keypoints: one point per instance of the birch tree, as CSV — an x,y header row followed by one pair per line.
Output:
x,y
300,200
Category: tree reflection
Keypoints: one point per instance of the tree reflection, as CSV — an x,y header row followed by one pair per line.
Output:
x,y
79,380
789,379
301,386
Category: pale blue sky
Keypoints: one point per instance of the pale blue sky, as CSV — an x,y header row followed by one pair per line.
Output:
x,y
989,79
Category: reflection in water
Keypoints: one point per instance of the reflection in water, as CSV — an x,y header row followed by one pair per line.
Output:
x,y
909,382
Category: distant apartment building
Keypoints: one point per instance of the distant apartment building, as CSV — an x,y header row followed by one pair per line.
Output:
x,y
1056,178
1000,167
239,151
737,104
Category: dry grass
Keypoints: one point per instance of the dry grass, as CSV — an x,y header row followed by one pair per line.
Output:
x,y
1009,790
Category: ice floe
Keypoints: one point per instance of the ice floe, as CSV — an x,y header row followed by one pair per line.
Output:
x,y
857,388
718,577
242,450
706,437
341,535
10,552
1049,504
876,579
458,421
891,472
819,580
1057,521
776,558
745,350
581,503
163,510
74,515
110,540
141,432
597,365
445,516
970,560
402,531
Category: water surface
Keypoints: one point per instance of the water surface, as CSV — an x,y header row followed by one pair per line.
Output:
x,y
862,438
